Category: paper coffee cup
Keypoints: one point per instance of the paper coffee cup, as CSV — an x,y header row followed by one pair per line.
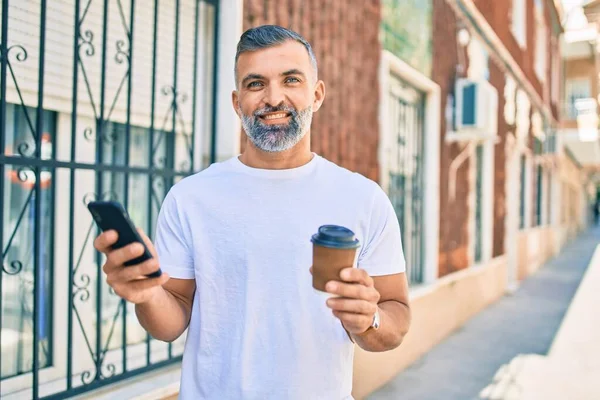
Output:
x,y
334,249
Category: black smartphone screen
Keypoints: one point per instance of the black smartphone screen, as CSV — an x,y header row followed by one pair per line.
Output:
x,y
112,215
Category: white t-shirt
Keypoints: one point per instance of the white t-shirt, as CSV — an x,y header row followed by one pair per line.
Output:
x,y
258,329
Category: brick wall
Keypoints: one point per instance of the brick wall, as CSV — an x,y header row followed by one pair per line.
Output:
x,y
345,38
498,15
454,215
498,80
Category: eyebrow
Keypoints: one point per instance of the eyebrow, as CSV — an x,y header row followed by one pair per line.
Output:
x,y
293,71
251,76
289,72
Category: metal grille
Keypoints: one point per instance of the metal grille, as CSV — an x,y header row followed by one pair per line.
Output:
x,y
99,99
406,172
539,195
522,192
478,203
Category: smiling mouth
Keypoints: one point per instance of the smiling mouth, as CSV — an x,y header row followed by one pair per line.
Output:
x,y
273,117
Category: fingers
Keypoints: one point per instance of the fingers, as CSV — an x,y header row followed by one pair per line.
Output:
x,y
353,291
145,284
116,258
356,275
140,291
352,306
354,323
103,243
134,272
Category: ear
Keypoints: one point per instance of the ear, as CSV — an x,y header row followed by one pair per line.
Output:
x,y
235,102
319,95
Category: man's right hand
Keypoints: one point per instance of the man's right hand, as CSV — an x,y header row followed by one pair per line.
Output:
x,y
130,283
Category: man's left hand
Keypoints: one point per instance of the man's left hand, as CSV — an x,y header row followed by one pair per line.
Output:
x,y
357,301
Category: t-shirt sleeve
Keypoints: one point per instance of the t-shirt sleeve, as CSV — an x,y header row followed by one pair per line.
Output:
x,y
173,241
382,252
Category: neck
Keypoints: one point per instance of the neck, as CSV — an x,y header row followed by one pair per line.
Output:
x,y
295,157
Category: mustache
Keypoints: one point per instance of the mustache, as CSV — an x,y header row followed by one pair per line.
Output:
x,y
280,108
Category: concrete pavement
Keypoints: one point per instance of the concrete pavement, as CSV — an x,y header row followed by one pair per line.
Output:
x,y
571,370
525,322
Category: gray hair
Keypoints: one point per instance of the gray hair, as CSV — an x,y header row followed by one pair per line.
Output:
x,y
266,36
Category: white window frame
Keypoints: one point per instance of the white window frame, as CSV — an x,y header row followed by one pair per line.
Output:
x,y
392,66
518,24
487,203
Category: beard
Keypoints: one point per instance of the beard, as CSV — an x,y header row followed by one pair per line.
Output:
x,y
280,137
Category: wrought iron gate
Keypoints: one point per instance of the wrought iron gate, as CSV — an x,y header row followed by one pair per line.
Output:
x,y
406,172
99,99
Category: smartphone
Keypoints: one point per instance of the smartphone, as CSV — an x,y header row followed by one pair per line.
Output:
x,y
112,215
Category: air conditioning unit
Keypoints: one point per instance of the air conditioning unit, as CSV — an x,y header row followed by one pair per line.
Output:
x,y
476,110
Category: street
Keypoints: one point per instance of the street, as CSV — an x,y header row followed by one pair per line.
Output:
x,y
525,322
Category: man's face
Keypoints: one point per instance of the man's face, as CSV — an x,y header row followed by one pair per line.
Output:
x,y
277,95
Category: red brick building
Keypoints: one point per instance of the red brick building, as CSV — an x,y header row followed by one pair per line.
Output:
x,y
485,204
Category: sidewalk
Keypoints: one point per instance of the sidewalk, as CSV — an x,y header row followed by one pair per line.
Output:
x,y
572,367
524,323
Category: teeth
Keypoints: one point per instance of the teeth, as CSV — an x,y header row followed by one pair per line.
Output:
x,y
274,116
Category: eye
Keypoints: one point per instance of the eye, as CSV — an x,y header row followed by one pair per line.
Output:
x,y
255,84
292,79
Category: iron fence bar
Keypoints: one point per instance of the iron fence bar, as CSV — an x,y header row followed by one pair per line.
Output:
x,y
99,188
3,61
173,140
112,380
215,89
421,154
72,197
34,162
38,201
414,207
195,87
401,164
126,177
151,143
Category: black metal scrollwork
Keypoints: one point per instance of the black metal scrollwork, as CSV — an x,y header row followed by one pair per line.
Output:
x,y
23,149
122,52
12,268
82,291
21,52
111,371
85,43
87,377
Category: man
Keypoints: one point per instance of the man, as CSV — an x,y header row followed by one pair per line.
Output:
x,y
234,243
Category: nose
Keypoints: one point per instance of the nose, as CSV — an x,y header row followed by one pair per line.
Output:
x,y
274,96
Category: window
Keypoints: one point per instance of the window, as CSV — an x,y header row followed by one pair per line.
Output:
x,y
576,89
519,22
132,140
19,234
406,175
541,42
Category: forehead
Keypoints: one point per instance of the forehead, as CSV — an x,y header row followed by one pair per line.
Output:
x,y
274,60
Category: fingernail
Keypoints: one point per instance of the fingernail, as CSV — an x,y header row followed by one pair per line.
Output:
x,y
330,286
